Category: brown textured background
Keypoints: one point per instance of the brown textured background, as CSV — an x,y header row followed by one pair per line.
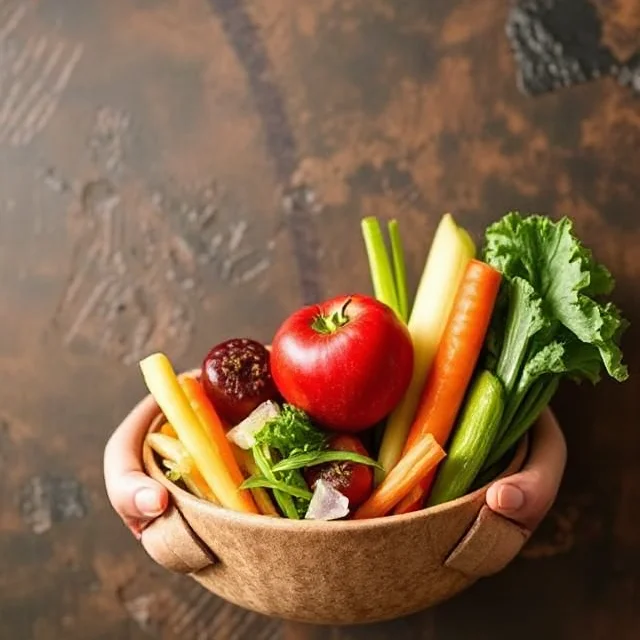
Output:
x,y
176,172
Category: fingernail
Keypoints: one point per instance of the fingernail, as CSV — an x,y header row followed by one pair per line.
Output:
x,y
148,502
510,498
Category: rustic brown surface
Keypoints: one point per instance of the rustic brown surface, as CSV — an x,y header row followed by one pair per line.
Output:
x,y
176,172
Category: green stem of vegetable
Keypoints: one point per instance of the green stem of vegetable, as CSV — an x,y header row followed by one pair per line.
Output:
x,y
525,419
472,439
531,410
399,270
262,456
256,482
379,264
301,460
513,406
526,401
516,338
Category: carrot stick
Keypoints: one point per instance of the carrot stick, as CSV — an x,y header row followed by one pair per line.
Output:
x,y
214,428
250,468
453,364
412,467
212,425
168,430
208,456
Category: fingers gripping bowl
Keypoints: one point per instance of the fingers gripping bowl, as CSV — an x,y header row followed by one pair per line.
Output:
x,y
340,476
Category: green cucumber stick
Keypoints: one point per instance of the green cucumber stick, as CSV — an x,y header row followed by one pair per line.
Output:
x,y
472,439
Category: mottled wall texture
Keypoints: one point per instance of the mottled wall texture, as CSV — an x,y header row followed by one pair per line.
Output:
x,y
176,172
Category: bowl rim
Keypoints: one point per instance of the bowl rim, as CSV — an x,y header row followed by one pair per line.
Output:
x,y
262,521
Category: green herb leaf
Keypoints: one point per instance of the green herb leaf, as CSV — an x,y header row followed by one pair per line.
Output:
x,y
255,482
291,432
301,460
262,457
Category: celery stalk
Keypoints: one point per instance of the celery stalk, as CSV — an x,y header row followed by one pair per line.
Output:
x,y
450,252
381,273
399,270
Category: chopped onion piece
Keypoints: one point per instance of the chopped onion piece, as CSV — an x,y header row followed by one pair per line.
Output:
x,y
243,433
327,503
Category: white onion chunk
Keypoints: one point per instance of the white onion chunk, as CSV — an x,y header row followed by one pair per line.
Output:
x,y
243,433
327,503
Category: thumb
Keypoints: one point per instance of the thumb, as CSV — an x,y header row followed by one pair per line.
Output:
x,y
135,496
527,496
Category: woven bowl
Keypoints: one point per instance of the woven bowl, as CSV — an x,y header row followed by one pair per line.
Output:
x,y
340,572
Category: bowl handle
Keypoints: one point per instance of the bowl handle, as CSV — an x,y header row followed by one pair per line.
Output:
x,y
171,542
489,545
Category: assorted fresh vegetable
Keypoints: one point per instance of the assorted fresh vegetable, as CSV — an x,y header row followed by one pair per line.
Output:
x,y
451,251
364,407
212,463
453,365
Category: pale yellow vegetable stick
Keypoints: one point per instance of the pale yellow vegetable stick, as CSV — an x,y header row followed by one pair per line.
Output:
x,y
451,250
163,385
173,450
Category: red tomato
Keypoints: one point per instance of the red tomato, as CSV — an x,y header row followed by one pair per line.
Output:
x,y
347,362
355,481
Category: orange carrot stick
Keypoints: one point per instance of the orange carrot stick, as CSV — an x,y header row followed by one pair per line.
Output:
x,y
414,500
212,425
168,430
453,365
411,468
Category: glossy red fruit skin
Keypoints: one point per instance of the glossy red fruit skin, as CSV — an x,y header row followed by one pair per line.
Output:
x,y
236,376
350,378
355,481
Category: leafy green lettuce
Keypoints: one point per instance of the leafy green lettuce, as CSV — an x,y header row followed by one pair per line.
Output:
x,y
549,322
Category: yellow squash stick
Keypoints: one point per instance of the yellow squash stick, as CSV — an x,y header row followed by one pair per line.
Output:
x,y
451,251
173,451
164,386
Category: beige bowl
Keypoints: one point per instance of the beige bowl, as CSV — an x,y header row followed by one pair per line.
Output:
x,y
339,572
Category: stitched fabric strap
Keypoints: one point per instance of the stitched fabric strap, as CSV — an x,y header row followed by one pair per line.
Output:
x,y
172,544
489,545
